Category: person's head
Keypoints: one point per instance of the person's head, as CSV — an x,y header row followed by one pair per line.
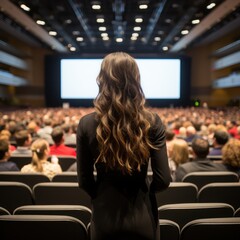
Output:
x,y
119,82
124,122
40,152
23,138
190,131
231,153
200,147
220,137
57,135
179,152
169,135
4,149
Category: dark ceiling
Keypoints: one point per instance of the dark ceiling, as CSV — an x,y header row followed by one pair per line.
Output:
x,y
77,29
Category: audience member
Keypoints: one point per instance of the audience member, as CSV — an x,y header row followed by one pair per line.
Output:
x,y
5,154
69,135
191,133
169,135
219,139
178,154
59,148
232,128
200,150
231,155
40,164
5,134
23,140
46,130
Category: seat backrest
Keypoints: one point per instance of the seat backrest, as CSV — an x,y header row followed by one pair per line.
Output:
x,y
221,192
201,179
30,179
80,212
14,195
65,161
169,230
65,177
4,211
237,212
182,213
212,228
21,160
177,192
60,194
40,227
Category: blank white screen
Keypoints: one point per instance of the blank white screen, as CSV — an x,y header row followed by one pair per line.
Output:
x,y
160,78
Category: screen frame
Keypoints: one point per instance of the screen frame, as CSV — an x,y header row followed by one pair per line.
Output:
x,y
53,81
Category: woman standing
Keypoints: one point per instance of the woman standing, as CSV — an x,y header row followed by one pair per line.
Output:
x,y
119,139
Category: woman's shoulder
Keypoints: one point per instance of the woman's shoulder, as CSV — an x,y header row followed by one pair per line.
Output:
x,y
88,117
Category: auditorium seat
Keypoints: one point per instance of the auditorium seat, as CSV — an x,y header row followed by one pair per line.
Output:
x,y
169,230
201,179
237,212
14,195
21,160
182,213
211,229
39,227
4,211
65,161
60,194
177,192
30,179
65,177
80,212
221,192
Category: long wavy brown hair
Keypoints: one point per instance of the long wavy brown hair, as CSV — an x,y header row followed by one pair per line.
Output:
x,y
124,122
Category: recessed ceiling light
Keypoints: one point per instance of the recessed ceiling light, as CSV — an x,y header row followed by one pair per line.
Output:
x,y
165,48
195,21
138,20
68,21
106,38
72,49
79,39
96,6
25,7
119,39
184,32
137,28
211,5
75,33
100,20
168,20
143,6
157,39
104,34
102,28
133,38
40,22
135,34
52,33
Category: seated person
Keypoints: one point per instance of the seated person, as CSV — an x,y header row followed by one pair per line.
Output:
x,y
231,155
178,154
5,154
200,150
59,148
40,163
23,140
219,139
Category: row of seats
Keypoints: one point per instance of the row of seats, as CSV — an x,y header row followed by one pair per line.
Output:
x,y
200,179
68,227
15,194
64,161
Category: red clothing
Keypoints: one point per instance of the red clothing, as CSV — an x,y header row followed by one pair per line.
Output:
x,y
62,150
